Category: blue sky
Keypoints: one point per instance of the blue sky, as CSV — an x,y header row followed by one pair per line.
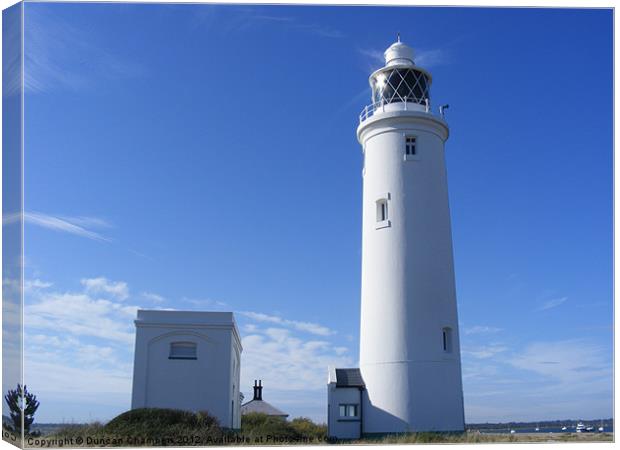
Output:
x,y
204,157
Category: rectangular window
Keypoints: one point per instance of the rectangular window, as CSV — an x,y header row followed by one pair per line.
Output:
x,y
382,211
183,350
447,339
410,149
347,410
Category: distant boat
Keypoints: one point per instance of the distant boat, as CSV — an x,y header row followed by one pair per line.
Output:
x,y
537,428
563,428
580,427
601,429
512,431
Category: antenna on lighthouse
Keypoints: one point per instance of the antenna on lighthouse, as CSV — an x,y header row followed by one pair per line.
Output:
x,y
398,36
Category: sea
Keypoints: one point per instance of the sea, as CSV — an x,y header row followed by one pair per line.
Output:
x,y
569,429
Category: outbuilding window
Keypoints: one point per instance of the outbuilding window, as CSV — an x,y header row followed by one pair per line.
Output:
x,y
183,350
348,410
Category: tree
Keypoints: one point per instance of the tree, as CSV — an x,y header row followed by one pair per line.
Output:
x,y
20,402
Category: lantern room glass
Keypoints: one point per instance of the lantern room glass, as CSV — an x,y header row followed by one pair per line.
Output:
x,y
400,85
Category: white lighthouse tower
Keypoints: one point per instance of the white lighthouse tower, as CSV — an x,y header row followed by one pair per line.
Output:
x,y
409,340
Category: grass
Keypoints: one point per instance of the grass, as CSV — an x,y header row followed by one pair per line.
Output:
x,y
165,427
475,438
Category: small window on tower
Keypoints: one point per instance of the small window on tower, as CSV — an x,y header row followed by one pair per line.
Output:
x,y
383,212
410,147
447,339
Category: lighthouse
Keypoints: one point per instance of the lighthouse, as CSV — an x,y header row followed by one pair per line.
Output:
x,y
409,379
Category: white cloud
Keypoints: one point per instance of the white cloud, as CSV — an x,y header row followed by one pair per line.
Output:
x,y
552,303
78,314
82,314
75,226
36,284
479,329
340,350
58,55
86,221
287,362
290,362
155,298
423,58
575,361
431,58
308,327
486,351
250,17
205,303
118,289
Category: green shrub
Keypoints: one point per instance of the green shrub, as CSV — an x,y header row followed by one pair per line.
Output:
x,y
148,427
161,423
257,424
73,431
307,428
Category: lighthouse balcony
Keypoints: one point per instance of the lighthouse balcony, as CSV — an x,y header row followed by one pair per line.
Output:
x,y
420,105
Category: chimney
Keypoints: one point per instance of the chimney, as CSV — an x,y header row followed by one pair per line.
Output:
x,y
258,390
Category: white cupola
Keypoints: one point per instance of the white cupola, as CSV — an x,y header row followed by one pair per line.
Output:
x,y
399,54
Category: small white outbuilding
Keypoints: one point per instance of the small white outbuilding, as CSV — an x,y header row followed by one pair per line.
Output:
x,y
188,360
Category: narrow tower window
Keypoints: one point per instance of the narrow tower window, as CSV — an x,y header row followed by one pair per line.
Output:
x,y
382,211
183,350
447,339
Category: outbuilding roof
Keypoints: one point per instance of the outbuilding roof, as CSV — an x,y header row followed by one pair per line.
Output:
x,y
349,378
261,406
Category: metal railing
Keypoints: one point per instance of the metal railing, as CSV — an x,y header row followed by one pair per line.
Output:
x,y
370,110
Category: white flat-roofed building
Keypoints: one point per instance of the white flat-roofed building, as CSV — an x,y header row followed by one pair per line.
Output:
x,y
188,360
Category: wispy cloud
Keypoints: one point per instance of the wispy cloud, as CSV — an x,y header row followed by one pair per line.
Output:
x,y
308,327
101,285
432,58
375,56
485,351
155,298
479,329
98,310
36,284
287,363
205,303
71,225
576,361
60,55
566,378
553,303
250,17
425,58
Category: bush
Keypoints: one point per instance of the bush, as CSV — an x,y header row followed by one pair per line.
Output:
x,y
257,424
161,423
148,427
307,428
